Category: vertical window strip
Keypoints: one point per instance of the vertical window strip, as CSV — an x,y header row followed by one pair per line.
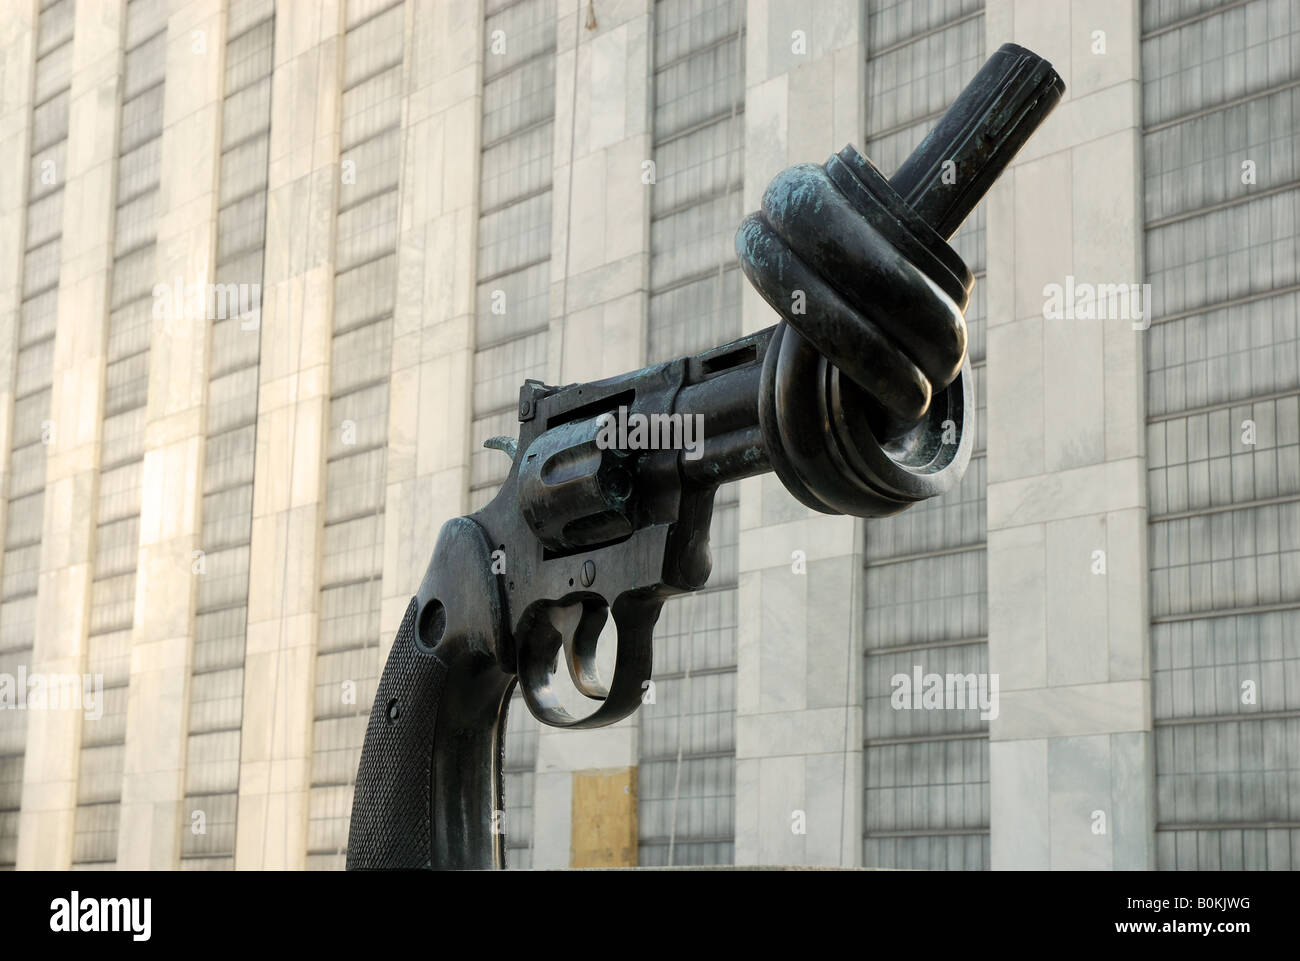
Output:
x,y
926,802
31,427
686,749
347,659
512,307
696,202
221,613
117,535
513,264
1220,87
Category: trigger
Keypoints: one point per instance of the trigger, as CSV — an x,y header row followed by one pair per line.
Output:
x,y
580,624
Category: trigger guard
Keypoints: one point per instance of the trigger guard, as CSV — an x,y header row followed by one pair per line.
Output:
x,y
635,619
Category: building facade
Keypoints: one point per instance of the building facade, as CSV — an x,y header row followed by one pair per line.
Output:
x,y
271,272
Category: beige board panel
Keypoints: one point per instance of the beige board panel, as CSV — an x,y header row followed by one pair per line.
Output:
x,y
604,819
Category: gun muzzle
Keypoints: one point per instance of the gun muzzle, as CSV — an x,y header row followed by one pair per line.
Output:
x,y
866,404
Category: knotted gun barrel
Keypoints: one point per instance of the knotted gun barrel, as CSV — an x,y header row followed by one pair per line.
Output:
x,y
865,402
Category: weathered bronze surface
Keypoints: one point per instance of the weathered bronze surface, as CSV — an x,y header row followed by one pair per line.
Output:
x,y
860,400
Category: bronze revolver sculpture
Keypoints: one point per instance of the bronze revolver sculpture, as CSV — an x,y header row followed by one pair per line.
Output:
x,y
860,400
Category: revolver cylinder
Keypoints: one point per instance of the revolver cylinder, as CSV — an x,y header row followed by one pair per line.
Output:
x,y
573,491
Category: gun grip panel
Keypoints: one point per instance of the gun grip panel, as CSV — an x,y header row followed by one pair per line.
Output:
x,y
391,808
429,791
